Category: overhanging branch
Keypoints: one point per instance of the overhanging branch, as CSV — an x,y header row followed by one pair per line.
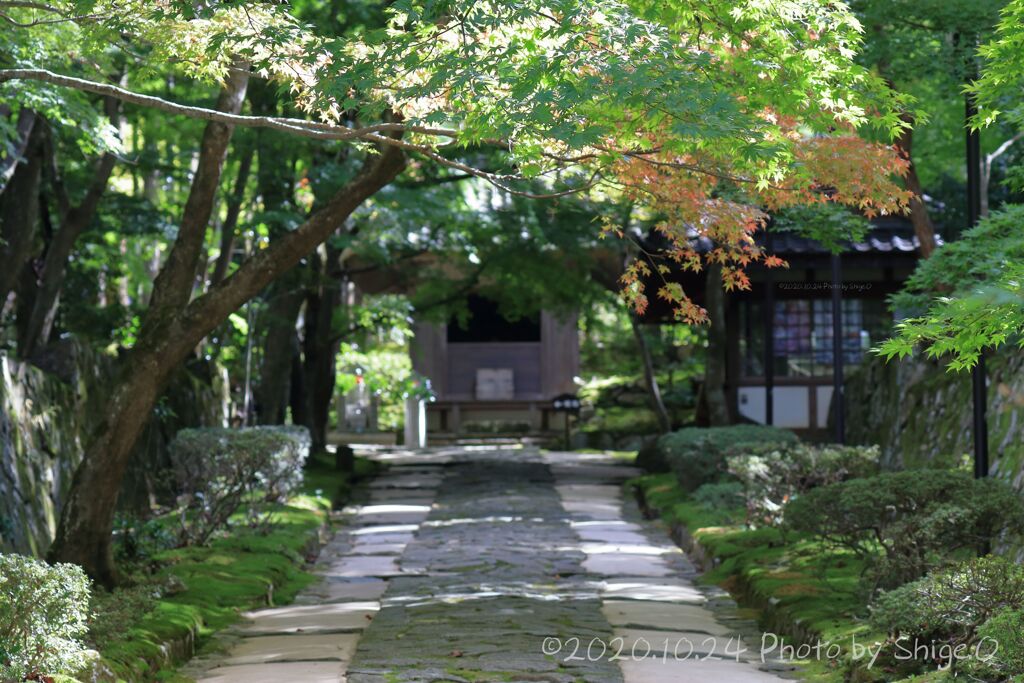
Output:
x,y
311,129
386,134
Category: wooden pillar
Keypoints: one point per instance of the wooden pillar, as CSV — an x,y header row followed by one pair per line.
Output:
x,y
769,340
838,399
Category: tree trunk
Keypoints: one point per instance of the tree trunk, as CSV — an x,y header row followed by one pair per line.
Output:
x,y
83,536
19,212
70,225
919,218
279,346
716,406
650,379
166,339
320,347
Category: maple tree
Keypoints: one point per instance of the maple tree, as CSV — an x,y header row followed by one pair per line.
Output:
x,y
707,114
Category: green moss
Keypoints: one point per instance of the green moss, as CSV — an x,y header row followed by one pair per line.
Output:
x,y
243,570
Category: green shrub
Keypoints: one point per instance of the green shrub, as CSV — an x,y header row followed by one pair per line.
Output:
x,y
774,474
43,613
697,455
725,495
975,604
1006,628
904,524
218,471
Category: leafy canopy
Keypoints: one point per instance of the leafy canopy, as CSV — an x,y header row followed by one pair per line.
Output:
x,y
703,112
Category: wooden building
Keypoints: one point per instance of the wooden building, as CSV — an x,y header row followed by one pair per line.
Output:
x,y
495,376
790,353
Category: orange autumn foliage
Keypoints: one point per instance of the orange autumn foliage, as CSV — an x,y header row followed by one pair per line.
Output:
x,y
702,197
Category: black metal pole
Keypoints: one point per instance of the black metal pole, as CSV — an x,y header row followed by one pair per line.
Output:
x,y
978,378
838,399
980,394
769,340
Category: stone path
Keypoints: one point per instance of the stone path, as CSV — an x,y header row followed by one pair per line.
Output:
x,y
476,564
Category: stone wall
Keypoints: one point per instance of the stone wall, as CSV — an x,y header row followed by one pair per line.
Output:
x,y
921,415
45,419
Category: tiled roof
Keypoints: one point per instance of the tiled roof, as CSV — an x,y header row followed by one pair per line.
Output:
x,y
888,234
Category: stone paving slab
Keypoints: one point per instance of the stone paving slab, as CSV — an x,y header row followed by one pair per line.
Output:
x,y
411,481
337,617
295,648
341,590
663,616
693,671
306,672
389,517
365,565
363,548
601,535
626,565
593,510
644,547
688,644
643,588
589,491
376,530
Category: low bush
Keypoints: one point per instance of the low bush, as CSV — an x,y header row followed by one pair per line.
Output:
x,y
773,474
697,455
974,608
904,524
725,495
220,471
43,617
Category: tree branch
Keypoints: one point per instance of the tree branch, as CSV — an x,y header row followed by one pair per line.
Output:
x,y
380,133
206,312
172,288
311,129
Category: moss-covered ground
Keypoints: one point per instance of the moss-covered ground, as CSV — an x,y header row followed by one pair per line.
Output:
x,y
211,585
806,591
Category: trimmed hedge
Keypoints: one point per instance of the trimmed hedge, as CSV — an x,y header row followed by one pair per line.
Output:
x,y
773,474
220,471
697,455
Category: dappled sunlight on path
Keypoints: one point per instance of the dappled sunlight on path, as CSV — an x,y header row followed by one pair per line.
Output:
x,y
485,564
